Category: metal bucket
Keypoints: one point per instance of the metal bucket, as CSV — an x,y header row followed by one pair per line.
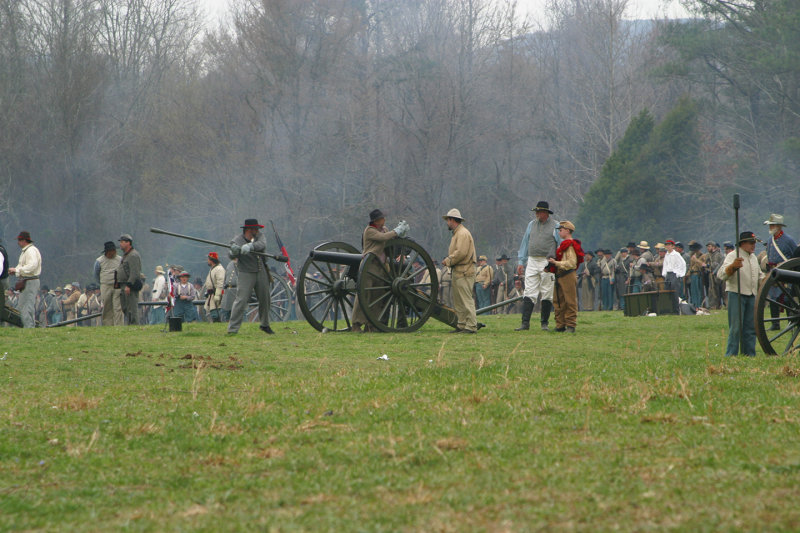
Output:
x,y
175,323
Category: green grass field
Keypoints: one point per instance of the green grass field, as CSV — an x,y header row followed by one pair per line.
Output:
x,y
630,424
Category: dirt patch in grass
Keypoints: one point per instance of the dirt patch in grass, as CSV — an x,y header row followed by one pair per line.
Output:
x,y
78,402
660,418
206,361
451,443
790,372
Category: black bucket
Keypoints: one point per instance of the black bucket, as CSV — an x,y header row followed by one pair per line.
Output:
x,y
175,323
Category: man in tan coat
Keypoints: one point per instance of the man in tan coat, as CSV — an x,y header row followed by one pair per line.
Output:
x,y
373,241
461,259
213,287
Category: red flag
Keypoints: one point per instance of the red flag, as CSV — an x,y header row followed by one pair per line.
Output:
x,y
170,291
288,264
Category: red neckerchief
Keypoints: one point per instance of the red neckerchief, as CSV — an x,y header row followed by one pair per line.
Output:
x,y
374,225
565,244
778,235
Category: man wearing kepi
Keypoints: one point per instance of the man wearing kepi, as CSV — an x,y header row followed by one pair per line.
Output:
x,y
27,271
461,260
252,276
780,248
538,245
742,276
128,279
373,240
568,256
105,268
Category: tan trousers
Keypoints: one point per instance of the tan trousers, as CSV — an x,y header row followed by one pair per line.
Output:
x,y
463,303
566,301
112,307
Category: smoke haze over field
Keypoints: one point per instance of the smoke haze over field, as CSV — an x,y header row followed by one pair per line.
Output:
x,y
313,113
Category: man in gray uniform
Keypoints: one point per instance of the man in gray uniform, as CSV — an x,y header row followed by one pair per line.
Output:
x,y
538,245
128,280
252,275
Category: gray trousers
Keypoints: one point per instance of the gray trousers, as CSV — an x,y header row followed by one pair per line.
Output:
x,y
27,302
130,306
249,281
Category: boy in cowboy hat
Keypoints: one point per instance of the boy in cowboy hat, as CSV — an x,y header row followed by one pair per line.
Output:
x,y
253,276
185,294
538,245
742,275
780,248
461,260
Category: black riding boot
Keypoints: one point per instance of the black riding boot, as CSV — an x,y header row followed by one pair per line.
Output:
x,y
527,310
547,306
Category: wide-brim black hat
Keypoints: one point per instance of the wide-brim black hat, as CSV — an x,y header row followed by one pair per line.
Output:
x,y
108,246
747,236
251,223
504,257
542,206
24,235
376,214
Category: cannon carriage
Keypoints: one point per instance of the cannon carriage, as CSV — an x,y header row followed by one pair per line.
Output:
x,y
397,292
780,335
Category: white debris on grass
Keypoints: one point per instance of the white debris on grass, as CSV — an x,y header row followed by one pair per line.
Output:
x,y
384,357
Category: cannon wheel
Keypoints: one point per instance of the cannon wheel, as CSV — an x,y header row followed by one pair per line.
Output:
x,y
392,295
280,301
788,321
323,293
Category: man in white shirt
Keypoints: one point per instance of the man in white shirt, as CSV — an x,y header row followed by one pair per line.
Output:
x,y
673,270
28,269
742,276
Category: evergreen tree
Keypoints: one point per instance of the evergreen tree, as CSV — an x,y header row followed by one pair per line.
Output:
x,y
643,191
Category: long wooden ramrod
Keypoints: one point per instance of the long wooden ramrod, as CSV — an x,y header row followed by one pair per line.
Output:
x,y
281,258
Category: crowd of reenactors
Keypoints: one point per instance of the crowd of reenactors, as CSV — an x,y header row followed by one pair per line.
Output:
x,y
552,273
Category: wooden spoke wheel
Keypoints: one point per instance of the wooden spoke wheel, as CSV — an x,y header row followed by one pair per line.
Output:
x,y
325,293
400,294
280,301
779,334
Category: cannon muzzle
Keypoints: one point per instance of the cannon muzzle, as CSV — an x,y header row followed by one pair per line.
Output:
x,y
338,258
786,276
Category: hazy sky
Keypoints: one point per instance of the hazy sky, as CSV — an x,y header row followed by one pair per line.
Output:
x,y
643,9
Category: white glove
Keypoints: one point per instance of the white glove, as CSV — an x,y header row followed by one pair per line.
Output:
x,y
247,248
402,229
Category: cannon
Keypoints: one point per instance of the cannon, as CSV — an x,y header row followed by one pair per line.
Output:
x,y
772,333
396,292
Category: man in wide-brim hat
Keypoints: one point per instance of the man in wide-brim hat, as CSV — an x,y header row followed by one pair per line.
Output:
x,y
253,276
742,276
461,260
373,240
28,268
538,245
780,248
104,268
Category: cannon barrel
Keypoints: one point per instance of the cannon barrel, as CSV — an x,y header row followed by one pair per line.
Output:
x,y
786,276
339,258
